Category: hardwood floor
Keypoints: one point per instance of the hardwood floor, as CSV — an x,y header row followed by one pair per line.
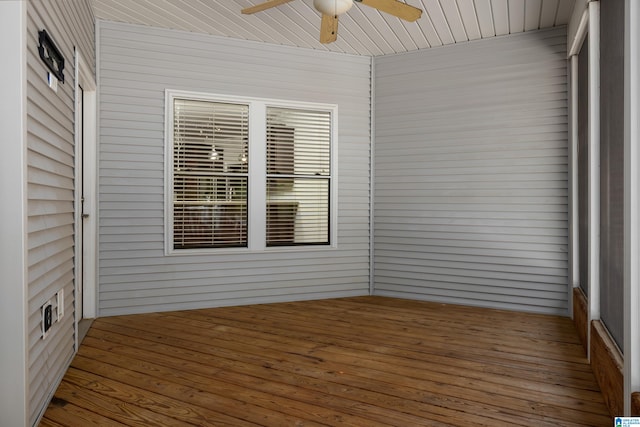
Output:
x,y
366,361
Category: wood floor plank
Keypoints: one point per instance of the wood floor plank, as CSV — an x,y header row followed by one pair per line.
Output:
x,y
450,386
420,367
563,334
246,387
113,403
498,346
419,362
73,415
279,371
406,312
271,401
156,403
186,395
362,361
46,422
450,348
495,332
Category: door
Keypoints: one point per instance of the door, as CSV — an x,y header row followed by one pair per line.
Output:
x,y
85,302
80,242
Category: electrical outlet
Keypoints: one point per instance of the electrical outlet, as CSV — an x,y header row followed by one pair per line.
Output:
x,y
53,82
60,304
47,318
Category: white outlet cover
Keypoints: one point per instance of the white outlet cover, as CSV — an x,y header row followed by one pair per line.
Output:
x,y
52,81
60,304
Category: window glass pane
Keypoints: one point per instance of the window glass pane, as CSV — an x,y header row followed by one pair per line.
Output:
x,y
298,176
210,164
299,215
298,142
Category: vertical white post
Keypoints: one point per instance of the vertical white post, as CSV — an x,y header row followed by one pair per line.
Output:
x,y
14,403
575,41
372,179
574,270
594,162
631,202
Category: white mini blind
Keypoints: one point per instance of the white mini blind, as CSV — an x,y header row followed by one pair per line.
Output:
x,y
210,174
298,176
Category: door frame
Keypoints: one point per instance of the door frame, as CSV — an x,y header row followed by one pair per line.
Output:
x,y
85,161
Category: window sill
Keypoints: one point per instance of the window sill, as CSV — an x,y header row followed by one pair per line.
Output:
x,y
249,251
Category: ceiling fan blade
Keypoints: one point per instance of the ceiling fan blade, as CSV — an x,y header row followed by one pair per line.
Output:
x,y
395,8
263,6
328,29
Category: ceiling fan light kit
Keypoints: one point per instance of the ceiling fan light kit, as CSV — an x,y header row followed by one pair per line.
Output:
x,y
330,9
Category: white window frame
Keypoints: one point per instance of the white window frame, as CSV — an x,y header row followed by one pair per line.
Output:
x,y
256,212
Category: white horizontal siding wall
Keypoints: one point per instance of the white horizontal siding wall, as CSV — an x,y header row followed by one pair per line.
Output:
x,y
50,189
136,65
471,173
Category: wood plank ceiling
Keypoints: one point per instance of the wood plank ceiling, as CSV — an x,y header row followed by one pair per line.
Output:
x,y
362,31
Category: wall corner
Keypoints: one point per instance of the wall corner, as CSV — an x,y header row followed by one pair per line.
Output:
x,y
13,307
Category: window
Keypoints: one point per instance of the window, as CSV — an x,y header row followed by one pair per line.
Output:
x,y
298,176
210,165
247,173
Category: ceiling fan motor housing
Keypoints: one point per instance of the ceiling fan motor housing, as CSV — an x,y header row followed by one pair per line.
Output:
x,y
332,7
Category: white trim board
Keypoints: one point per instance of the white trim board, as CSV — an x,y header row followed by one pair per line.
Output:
x,y
574,270
594,162
632,203
14,387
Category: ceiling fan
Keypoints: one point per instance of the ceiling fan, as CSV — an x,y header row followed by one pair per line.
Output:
x,y
330,10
